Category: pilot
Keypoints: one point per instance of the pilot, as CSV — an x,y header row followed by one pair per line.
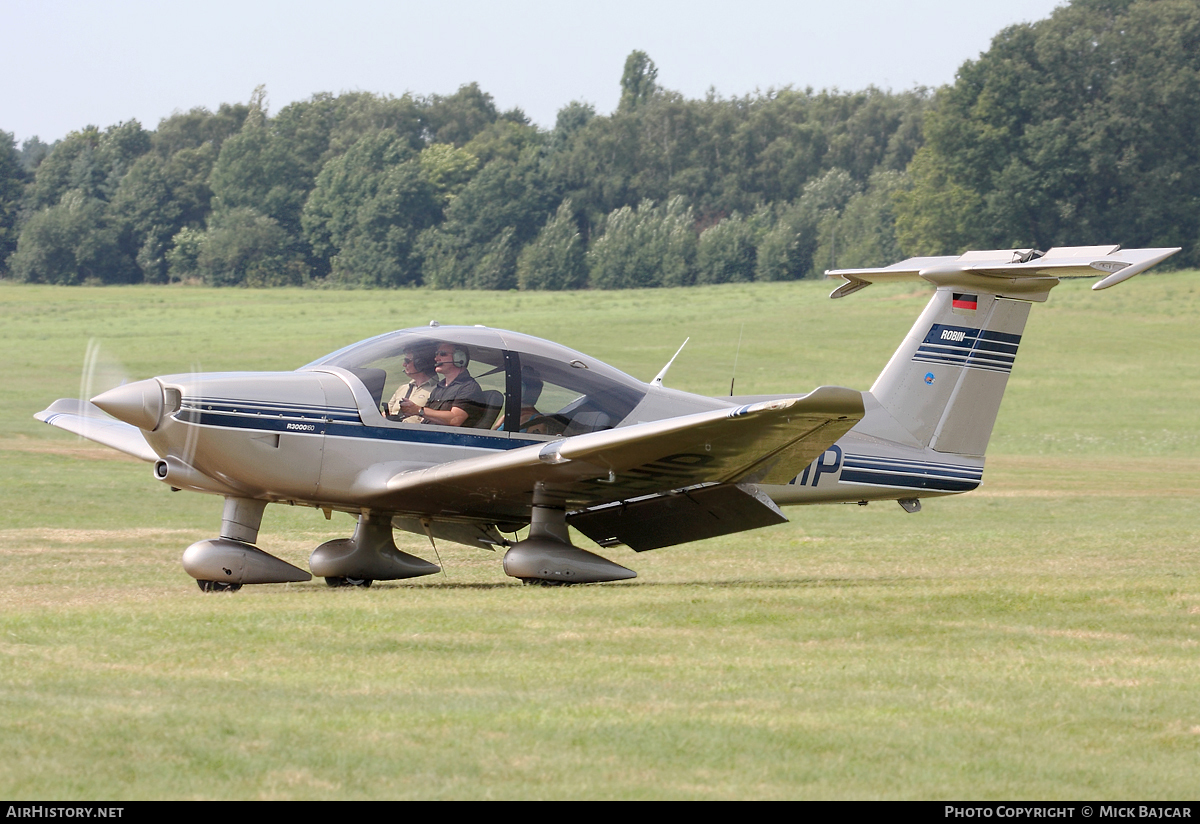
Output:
x,y
422,380
458,399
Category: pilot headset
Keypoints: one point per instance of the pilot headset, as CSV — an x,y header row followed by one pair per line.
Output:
x,y
461,358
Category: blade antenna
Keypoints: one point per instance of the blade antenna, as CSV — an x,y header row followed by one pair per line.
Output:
x,y
658,379
736,352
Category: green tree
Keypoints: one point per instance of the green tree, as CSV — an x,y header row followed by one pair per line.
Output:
x,y
199,127
726,252
447,169
159,197
12,192
255,170
502,140
495,267
788,249
779,254
652,246
89,161
498,212
367,210
33,152
183,256
68,167
325,126
555,258
727,155
639,81
120,147
68,203
568,122
623,256
864,233
72,242
244,248
936,214
458,117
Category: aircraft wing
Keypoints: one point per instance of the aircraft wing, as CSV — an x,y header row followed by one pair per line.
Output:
x,y
766,442
86,419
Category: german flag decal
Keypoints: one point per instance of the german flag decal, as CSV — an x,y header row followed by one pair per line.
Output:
x,y
964,304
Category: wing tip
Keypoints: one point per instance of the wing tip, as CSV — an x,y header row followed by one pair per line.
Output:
x,y
1153,257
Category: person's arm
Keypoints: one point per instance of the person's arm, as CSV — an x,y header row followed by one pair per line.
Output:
x,y
454,416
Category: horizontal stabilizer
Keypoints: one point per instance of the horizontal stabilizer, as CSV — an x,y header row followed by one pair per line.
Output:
x,y
1026,270
86,419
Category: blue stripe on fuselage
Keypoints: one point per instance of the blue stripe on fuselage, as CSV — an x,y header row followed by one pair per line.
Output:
x,y
309,422
871,470
428,435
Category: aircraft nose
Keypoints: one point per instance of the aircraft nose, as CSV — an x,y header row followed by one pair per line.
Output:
x,y
139,403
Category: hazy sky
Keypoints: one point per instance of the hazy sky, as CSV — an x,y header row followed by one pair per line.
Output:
x,y
71,63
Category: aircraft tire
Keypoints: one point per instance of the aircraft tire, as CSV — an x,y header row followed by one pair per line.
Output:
x,y
348,582
217,586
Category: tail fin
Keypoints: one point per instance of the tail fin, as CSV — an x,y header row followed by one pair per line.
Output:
x,y
945,382
943,386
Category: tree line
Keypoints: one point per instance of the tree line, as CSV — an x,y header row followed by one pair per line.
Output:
x,y
1076,129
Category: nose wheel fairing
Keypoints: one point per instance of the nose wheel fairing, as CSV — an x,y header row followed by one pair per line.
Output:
x,y
229,562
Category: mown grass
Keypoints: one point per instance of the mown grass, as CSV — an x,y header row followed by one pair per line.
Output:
x,y
1039,638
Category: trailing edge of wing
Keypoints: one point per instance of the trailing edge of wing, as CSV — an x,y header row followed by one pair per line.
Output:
x,y
766,442
86,419
1036,272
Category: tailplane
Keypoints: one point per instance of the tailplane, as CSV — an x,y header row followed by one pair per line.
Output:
x,y
942,388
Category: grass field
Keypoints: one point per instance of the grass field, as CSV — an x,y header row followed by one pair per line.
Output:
x,y
1036,639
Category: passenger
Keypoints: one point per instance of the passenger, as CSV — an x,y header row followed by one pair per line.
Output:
x,y
422,380
458,400
531,390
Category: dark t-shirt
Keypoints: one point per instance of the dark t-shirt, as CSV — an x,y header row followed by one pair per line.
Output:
x,y
464,392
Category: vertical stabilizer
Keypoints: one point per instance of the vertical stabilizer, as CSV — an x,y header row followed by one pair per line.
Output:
x,y
945,382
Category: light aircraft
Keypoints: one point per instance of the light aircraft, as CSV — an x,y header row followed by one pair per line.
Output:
x,y
621,461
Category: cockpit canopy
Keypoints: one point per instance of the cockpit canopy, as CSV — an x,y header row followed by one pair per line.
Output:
x,y
528,385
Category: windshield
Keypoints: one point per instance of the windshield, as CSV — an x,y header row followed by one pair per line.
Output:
x,y
480,378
